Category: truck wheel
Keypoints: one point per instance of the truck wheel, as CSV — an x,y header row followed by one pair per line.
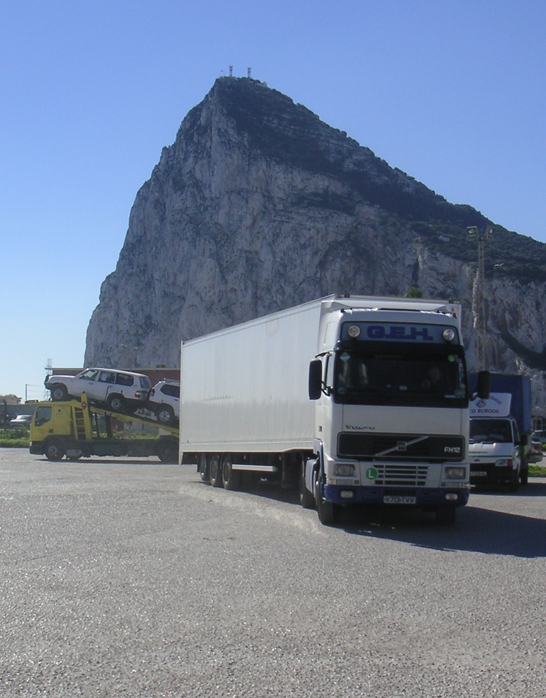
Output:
x,y
514,482
54,450
307,499
116,403
328,512
215,470
165,415
59,393
445,515
231,479
203,467
167,450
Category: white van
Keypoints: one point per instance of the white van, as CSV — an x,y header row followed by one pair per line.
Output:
x,y
494,451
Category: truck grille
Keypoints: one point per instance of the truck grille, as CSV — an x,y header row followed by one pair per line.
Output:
x,y
432,449
401,475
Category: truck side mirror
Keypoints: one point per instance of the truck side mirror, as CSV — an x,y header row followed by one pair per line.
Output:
x,y
484,385
315,379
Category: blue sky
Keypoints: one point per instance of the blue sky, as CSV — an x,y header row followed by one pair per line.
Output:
x,y
452,92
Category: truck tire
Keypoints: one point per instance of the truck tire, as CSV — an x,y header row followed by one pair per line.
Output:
x,y
203,467
59,393
231,479
514,482
167,450
215,470
54,450
165,415
445,515
307,500
328,512
116,402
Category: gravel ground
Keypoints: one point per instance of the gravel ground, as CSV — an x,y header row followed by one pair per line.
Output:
x,y
133,578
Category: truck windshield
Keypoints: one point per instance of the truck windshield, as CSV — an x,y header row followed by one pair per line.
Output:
x,y
417,378
490,431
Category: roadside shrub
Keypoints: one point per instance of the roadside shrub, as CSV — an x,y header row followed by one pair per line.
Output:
x,y
14,438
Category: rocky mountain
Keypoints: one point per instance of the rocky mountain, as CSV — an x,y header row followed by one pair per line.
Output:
x,y
258,205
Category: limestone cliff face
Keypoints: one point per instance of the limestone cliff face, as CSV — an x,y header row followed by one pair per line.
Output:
x,y
258,206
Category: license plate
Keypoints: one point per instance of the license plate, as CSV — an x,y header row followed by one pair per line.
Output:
x,y
478,473
396,499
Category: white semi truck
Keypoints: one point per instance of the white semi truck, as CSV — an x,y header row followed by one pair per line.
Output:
x,y
356,400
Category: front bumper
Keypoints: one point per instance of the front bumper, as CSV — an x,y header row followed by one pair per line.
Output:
x,y
424,496
490,474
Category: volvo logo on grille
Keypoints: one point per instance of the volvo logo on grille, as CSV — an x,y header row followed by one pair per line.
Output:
x,y
402,446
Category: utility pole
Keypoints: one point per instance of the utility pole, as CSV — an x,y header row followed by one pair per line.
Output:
x,y
131,354
478,301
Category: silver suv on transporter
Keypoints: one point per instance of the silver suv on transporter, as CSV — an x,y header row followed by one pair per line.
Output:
x,y
121,391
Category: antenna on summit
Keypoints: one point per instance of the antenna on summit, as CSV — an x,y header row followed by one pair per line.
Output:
x,y
230,71
248,71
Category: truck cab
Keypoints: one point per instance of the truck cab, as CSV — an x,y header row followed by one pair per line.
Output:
x,y
56,429
391,397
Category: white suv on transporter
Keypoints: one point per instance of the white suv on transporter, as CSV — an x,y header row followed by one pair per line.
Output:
x,y
121,391
164,400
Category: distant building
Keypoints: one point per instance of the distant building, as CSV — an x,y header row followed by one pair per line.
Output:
x,y
10,400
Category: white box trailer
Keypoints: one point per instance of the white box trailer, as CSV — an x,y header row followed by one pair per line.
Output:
x,y
271,396
245,388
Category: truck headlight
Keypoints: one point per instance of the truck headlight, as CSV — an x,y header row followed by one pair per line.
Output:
x,y
354,331
344,470
504,463
455,472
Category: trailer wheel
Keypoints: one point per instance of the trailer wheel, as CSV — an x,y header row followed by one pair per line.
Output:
x,y
203,467
231,479
54,450
59,393
328,512
215,470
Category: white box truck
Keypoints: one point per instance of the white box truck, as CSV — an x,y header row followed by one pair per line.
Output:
x,y
500,432
356,400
